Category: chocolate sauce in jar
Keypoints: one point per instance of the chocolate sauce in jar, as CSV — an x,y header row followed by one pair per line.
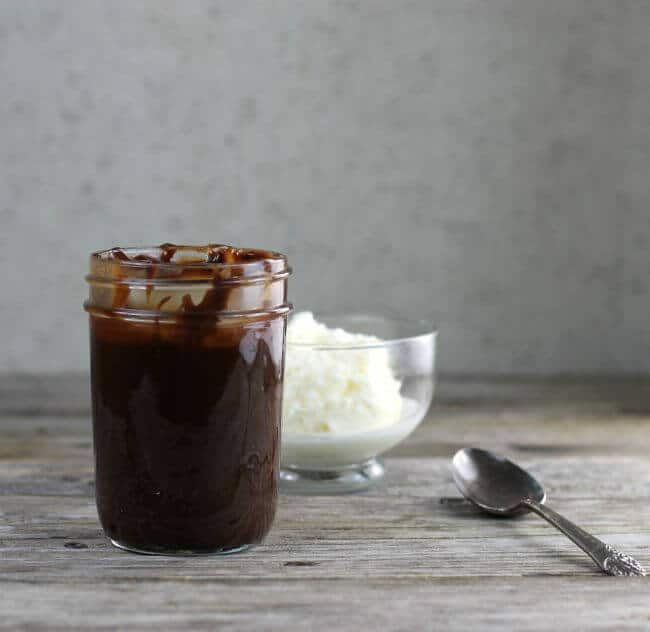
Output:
x,y
187,351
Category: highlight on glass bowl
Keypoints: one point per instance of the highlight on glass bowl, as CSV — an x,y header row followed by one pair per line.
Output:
x,y
354,387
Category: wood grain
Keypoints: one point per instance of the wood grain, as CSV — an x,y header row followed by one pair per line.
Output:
x,y
409,554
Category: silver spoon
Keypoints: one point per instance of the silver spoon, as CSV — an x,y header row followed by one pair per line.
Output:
x,y
500,487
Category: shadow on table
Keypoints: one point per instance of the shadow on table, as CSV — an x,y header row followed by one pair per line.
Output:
x,y
459,508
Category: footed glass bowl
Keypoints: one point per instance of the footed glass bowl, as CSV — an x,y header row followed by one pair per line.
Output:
x,y
347,403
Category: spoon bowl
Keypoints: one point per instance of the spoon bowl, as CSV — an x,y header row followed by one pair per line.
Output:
x,y
494,483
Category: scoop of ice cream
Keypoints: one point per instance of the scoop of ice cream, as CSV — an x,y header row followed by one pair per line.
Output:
x,y
347,387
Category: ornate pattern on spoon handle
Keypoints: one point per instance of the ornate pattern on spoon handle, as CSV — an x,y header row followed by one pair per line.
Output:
x,y
617,563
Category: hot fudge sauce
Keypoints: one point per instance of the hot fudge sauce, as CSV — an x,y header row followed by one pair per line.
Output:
x,y
187,352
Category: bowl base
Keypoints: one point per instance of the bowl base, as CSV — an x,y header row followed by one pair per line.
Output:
x,y
344,480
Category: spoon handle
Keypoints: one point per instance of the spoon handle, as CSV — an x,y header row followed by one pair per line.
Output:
x,y
607,558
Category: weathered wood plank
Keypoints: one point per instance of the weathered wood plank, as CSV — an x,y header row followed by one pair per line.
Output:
x,y
524,604
569,429
409,554
413,525
69,393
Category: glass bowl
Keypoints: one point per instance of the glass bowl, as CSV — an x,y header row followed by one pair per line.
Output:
x,y
347,403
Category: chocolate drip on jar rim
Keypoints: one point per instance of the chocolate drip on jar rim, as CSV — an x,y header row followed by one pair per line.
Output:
x,y
187,280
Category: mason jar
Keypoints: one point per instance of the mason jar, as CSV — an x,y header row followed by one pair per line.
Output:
x,y
187,356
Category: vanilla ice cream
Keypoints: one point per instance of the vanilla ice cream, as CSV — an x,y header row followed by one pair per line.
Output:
x,y
348,398
336,390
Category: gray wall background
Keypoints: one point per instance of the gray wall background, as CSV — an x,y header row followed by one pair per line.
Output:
x,y
481,163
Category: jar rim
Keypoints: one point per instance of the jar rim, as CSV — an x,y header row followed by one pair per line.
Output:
x,y
192,256
171,263
178,279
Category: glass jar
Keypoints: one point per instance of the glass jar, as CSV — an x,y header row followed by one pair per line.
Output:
x,y
187,357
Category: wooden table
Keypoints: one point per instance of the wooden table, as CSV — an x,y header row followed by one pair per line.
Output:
x,y
408,555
